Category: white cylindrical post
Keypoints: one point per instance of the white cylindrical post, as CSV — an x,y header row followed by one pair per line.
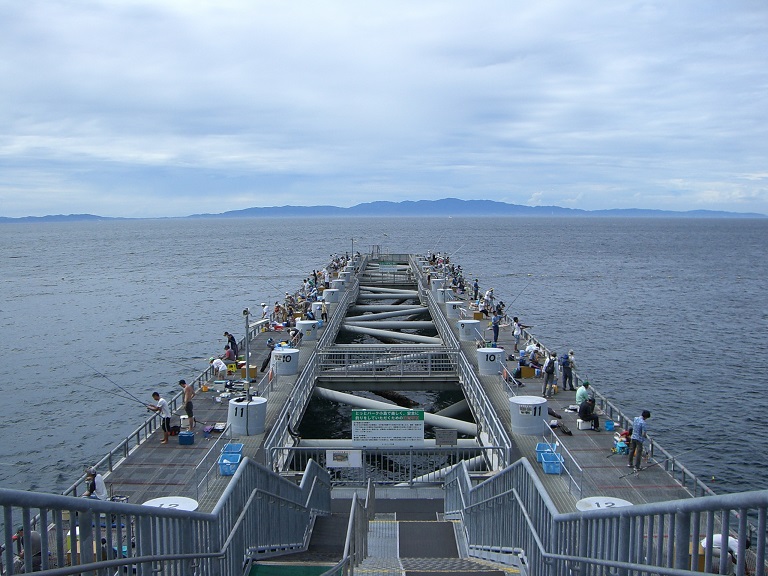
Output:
x,y
331,295
286,361
453,308
308,328
489,360
528,415
247,418
469,330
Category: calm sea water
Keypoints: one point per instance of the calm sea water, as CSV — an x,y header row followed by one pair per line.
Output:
x,y
668,315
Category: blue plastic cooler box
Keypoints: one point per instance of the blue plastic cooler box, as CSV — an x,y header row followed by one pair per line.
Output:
x,y
186,438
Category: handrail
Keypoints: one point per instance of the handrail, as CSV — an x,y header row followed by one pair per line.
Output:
x,y
356,542
229,532
660,538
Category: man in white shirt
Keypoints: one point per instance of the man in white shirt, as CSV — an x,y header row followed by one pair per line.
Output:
x,y
165,412
219,368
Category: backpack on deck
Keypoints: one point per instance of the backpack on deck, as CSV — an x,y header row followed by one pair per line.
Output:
x,y
565,361
550,369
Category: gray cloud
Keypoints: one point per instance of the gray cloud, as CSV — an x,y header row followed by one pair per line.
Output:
x,y
171,107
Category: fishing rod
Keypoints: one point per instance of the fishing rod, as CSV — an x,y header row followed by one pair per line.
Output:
x,y
457,249
114,393
113,382
521,291
660,462
438,242
186,366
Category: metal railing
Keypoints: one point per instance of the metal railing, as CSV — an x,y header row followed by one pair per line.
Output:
x,y
337,317
387,360
388,466
356,543
511,515
290,415
83,535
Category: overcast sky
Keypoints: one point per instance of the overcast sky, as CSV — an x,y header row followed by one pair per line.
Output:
x,y
168,108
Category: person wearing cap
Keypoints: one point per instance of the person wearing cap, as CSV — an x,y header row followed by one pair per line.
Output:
x,y
219,368
264,310
165,414
96,488
189,393
232,343
35,547
583,393
271,346
639,435
567,365
550,375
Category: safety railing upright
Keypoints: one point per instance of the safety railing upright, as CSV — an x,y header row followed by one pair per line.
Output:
x,y
292,411
415,466
511,515
392,360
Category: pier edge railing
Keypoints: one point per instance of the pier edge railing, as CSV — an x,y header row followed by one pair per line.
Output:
x,y
145,539
511,514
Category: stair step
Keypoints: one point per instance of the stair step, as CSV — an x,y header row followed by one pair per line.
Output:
x,y
427,540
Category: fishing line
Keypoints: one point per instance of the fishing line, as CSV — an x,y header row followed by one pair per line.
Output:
x,y
113,393
187,367
457,249
113,382
660,462
521,291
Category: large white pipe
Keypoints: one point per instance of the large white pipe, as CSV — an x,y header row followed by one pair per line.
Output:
x,y
393,314
382,290
364,296
462,427
476,463
385,308
454,409
391,325
388,334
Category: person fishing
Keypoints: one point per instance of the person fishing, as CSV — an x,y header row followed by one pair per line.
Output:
x,y
165,414
639,435
96,488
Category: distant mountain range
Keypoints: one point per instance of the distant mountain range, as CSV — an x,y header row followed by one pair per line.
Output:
x,y
421,209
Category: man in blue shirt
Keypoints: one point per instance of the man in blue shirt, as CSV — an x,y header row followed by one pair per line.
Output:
x,y
639,434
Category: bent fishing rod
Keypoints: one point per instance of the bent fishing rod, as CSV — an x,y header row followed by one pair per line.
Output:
x,y
113,382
